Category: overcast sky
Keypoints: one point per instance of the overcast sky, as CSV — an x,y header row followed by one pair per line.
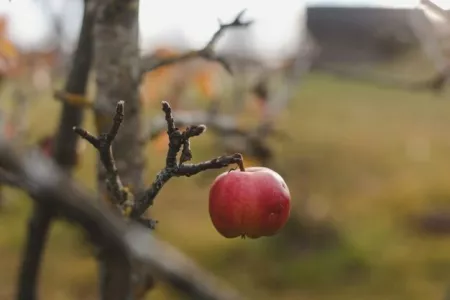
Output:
x,y
195,19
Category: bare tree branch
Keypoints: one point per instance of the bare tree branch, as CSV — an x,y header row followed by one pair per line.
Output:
x,y
50,187
251,142
225,127
37,235
179,141
65,156
103,144
206,52
65,143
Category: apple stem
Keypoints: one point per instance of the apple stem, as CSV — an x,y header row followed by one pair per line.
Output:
x,y
240,163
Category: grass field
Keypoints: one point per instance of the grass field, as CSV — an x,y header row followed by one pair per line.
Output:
x,y
361,158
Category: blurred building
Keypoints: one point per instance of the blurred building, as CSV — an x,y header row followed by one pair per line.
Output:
x,y
360,34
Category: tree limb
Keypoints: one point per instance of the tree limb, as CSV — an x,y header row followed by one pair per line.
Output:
x,y
50,187
179,141
206,52
103,144
65,152
65,143
37,234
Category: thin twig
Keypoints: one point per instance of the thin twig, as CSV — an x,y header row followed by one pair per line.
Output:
x,y
103,144
206,52
245,141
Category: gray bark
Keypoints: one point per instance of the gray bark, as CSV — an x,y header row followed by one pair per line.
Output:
x,y
42,215
65,140
116,67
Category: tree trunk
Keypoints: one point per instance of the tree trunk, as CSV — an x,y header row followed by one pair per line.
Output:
x,y
117,72
65,144
116,67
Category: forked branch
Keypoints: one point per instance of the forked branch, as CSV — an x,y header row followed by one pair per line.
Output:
x,y
180,141
103,144
179,145
206,52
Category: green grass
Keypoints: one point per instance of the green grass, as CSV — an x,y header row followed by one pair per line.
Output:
x,y
360,157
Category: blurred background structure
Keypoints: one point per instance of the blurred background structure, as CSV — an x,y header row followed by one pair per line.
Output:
x,y
346,99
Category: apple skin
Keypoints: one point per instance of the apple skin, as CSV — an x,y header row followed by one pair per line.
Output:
x,y
251,203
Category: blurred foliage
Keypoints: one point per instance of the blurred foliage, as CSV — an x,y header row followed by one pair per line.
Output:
x,y
359,160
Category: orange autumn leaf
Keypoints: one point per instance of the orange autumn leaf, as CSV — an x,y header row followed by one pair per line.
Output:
x,y
162,82
3,26
8,52
14,63
155,83
7,49
204,83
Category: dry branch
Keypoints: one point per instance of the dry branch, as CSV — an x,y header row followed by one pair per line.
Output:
x,y
224,126
50,187
125,201
65,156
206,52
65,144
179,141
36,238
222,122
103,144
251,142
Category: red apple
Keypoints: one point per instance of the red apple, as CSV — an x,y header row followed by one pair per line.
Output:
x,y
253,203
